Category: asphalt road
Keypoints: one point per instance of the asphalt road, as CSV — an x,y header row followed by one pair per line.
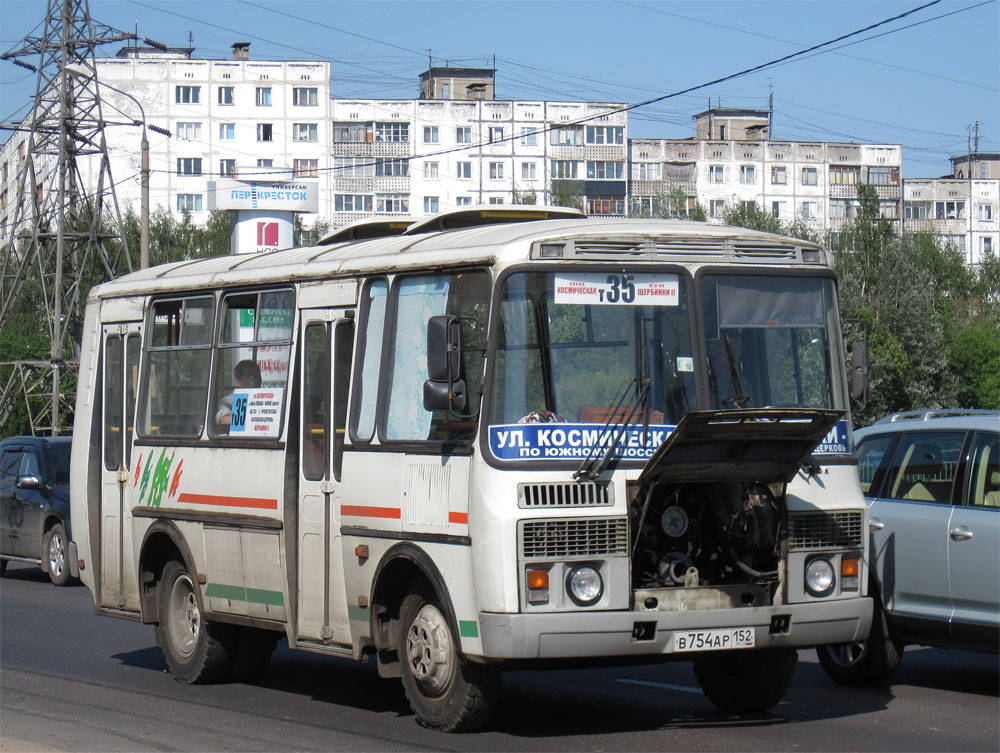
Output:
x,y
72,681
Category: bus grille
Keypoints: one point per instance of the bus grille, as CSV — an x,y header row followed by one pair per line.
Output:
x,y
584,494
578,537
826,530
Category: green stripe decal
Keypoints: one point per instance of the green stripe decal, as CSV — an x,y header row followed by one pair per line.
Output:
x,y
250,595
357,613
468,628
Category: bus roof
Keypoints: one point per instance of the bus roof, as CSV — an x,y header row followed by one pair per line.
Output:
x,y
581,239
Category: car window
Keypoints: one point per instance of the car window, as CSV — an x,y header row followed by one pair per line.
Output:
x,y
57,463
872,461
924,466
984,478
10,464
29,465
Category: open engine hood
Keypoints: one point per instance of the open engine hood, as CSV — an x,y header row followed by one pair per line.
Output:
x,y
756,444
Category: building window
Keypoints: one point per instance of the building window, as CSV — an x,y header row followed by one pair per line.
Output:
x,y
463,135
430,134
882,176
563,169
305,96
778,176
809,210
305,132
496,200
949,210
496,134
986,213
388,167
918,210
463,201
606,170
647,170
809,176
566,136
352,202
464,170
605,134
187,95
716,173
352,133
226,95
353,167
431,204
392,132
778,209
189,165
189,202
528,171
982,172
432,170
987,245
189,131
889,210
843,208
265,163
392,203
955,241
263,96
843,176
265,132
748,174
605,205
227,168
496,171
306,168
529,136
227,131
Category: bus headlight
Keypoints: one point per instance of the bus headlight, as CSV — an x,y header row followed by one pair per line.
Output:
x,y
820,577
584,585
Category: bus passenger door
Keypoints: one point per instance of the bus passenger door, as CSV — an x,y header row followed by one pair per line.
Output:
x,y
122,346
327,338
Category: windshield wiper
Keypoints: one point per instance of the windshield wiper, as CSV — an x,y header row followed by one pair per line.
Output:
x,y
592,466
741,399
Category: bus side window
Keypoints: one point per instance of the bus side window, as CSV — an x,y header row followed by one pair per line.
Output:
x,y
113,429
343,347
369,359
316,412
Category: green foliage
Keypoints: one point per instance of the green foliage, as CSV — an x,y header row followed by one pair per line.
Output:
x,y
567,193
670,205
308,236
525,197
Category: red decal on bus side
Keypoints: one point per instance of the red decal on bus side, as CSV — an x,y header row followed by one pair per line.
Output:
x,y
362,511
212,499
458,517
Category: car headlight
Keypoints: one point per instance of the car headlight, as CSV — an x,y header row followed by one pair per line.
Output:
x,y
584,585
820,576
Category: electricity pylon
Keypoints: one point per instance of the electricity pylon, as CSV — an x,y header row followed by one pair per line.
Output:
x,y
58,227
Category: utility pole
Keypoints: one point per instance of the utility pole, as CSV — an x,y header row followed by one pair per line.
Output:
x,y
57,230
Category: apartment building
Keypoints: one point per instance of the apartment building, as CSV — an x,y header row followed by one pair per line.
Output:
x,y
959,211
814,182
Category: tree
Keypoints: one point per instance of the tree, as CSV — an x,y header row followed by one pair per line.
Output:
x,y
525,197
670,205
567,193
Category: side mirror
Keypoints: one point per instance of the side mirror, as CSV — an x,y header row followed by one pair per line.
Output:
x,y
444,348
28,481
443,395
859,370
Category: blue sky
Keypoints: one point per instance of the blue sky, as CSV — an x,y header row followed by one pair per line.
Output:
x,y
923,86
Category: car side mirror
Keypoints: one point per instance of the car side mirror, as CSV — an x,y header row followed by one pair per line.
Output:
x,y
28,481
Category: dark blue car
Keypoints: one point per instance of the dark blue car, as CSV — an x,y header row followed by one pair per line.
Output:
x,y
34,504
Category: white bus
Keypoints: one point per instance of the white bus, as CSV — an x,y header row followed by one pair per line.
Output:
x,y
471,447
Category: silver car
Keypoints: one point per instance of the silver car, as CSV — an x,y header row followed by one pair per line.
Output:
x,y
932,481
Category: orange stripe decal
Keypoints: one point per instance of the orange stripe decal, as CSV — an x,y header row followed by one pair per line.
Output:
x,y
362,511
212,499
458,517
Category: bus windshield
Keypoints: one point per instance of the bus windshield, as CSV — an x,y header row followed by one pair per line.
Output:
x,y
578,350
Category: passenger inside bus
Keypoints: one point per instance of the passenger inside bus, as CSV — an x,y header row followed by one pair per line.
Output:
x,y
727,378
247,375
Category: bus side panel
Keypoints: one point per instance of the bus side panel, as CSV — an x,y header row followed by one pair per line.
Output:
x,y
86,457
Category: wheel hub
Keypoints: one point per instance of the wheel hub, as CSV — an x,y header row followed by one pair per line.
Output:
x,y
429,650
57,555
184,618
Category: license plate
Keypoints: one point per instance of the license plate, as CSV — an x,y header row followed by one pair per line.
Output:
x,y
713,640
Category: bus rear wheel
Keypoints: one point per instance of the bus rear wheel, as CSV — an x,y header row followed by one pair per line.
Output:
x,y
445,692
197,651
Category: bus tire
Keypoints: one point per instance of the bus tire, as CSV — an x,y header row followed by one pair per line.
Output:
x,y
445,692
197,651
252,653
869,662
746,682
54,550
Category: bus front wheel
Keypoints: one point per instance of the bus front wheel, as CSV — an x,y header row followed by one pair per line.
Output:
x,y
445,692
196,651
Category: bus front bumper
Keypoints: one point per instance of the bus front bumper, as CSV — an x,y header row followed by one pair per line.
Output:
x,y
557,635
